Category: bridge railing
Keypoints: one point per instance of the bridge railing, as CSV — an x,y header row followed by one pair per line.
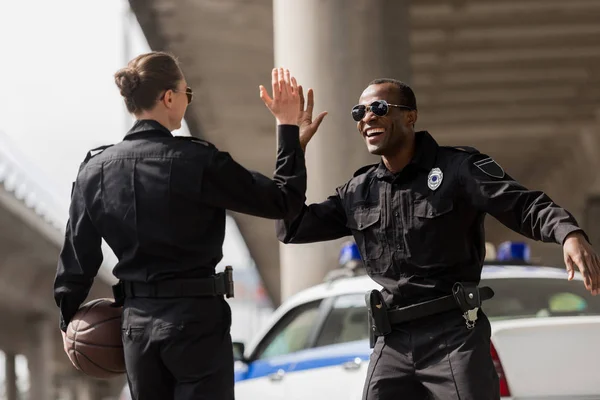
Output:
x,y
22,180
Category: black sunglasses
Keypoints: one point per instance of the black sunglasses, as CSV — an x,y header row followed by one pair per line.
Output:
x,y
378,107
188,92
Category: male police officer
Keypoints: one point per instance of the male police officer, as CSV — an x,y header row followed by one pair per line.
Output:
x,y
418,219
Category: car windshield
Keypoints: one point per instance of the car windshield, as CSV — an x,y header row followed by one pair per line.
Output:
x,y
538,297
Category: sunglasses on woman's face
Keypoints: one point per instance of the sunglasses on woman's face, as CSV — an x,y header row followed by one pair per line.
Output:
x,y
188,92
378,107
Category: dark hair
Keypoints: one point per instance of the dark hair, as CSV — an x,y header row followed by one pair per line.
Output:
x,y
145,77
406,94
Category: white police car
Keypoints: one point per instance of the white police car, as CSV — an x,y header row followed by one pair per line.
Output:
x,y
545,338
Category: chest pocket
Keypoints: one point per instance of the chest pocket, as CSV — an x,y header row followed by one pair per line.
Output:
x,y
427,209
430,235
366,224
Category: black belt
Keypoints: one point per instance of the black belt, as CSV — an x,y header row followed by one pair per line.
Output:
x,y
217,285
435,306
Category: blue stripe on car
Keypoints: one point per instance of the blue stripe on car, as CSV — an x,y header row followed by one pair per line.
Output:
x,y
319,357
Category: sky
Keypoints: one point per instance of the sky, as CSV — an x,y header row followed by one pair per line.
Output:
x,y
59,99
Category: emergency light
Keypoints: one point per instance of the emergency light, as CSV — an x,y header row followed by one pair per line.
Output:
x,y
513,251
348,253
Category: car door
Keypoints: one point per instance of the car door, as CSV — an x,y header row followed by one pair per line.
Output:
x,y
335,366
264,376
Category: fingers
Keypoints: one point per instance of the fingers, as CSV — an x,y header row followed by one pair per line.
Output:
x,y
275,81
288,80
301,95
281,82
319,119
294,85
311,102
595,263
265,96
570,267
585,272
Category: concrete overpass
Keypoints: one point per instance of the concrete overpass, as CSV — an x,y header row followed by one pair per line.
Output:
x,y
517,79
32,222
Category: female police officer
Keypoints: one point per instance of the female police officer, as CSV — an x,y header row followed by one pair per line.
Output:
x,y
159,201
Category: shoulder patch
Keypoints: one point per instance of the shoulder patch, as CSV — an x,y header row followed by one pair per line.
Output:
x,y
490,167
94,152
364,169
466,149
194,139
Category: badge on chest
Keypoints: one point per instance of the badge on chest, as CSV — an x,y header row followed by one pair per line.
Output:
x,y
434,180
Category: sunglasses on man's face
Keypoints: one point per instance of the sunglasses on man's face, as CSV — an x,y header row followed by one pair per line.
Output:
x,y
378,107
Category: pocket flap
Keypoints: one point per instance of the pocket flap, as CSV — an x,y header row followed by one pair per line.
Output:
x,y
362,218
432,209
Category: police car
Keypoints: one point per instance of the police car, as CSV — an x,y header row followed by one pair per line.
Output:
x,y
545,337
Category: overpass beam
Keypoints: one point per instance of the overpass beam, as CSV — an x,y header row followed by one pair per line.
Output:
x,y
335,47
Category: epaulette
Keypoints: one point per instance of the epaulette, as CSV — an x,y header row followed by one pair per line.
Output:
x,y
364,169
467,149
194,139
94,152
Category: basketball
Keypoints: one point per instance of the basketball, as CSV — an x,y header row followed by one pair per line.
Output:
x,y
94,340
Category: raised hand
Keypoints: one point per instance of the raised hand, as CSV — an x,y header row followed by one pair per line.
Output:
x,y
308,127
285,104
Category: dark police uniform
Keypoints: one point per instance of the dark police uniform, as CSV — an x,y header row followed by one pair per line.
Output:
x,y
159,202
419,232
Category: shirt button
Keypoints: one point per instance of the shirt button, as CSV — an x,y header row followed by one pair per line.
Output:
x,y
396,213
360,224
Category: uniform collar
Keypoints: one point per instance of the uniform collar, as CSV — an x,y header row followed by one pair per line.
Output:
x,y
424,158
147,128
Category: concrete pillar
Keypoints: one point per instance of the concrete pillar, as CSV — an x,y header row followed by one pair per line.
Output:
x,y
10,377
40,357
335,47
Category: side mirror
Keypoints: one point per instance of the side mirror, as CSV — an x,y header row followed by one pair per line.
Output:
x,y
238,351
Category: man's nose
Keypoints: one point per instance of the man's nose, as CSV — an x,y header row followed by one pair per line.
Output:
x,y
369,116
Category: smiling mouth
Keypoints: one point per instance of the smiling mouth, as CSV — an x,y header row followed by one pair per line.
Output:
x,y
372,132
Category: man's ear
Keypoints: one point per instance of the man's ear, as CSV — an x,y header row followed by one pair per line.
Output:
x,y
412,117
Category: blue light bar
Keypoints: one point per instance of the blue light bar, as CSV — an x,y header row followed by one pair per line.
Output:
x,y
349,253
513,251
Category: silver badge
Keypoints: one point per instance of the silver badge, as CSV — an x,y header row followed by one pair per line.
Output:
x,y
434,180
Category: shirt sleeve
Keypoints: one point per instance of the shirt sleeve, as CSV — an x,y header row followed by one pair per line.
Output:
x,y
227,184
79,260
315,223
531,213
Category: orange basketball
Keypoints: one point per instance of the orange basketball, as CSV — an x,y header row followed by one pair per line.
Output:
x,y
94,340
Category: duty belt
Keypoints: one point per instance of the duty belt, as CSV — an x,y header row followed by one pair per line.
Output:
x,y
217,285
466,296
435,306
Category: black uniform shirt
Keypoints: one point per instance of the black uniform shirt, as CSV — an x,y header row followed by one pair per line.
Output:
x,y
421,230
159,202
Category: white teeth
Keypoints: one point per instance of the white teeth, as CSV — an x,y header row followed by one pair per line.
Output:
x,y
373,131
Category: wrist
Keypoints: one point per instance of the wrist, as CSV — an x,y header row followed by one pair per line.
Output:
x,y
287,122
574,235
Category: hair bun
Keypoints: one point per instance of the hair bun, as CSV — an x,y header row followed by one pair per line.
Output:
x,y
127,79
